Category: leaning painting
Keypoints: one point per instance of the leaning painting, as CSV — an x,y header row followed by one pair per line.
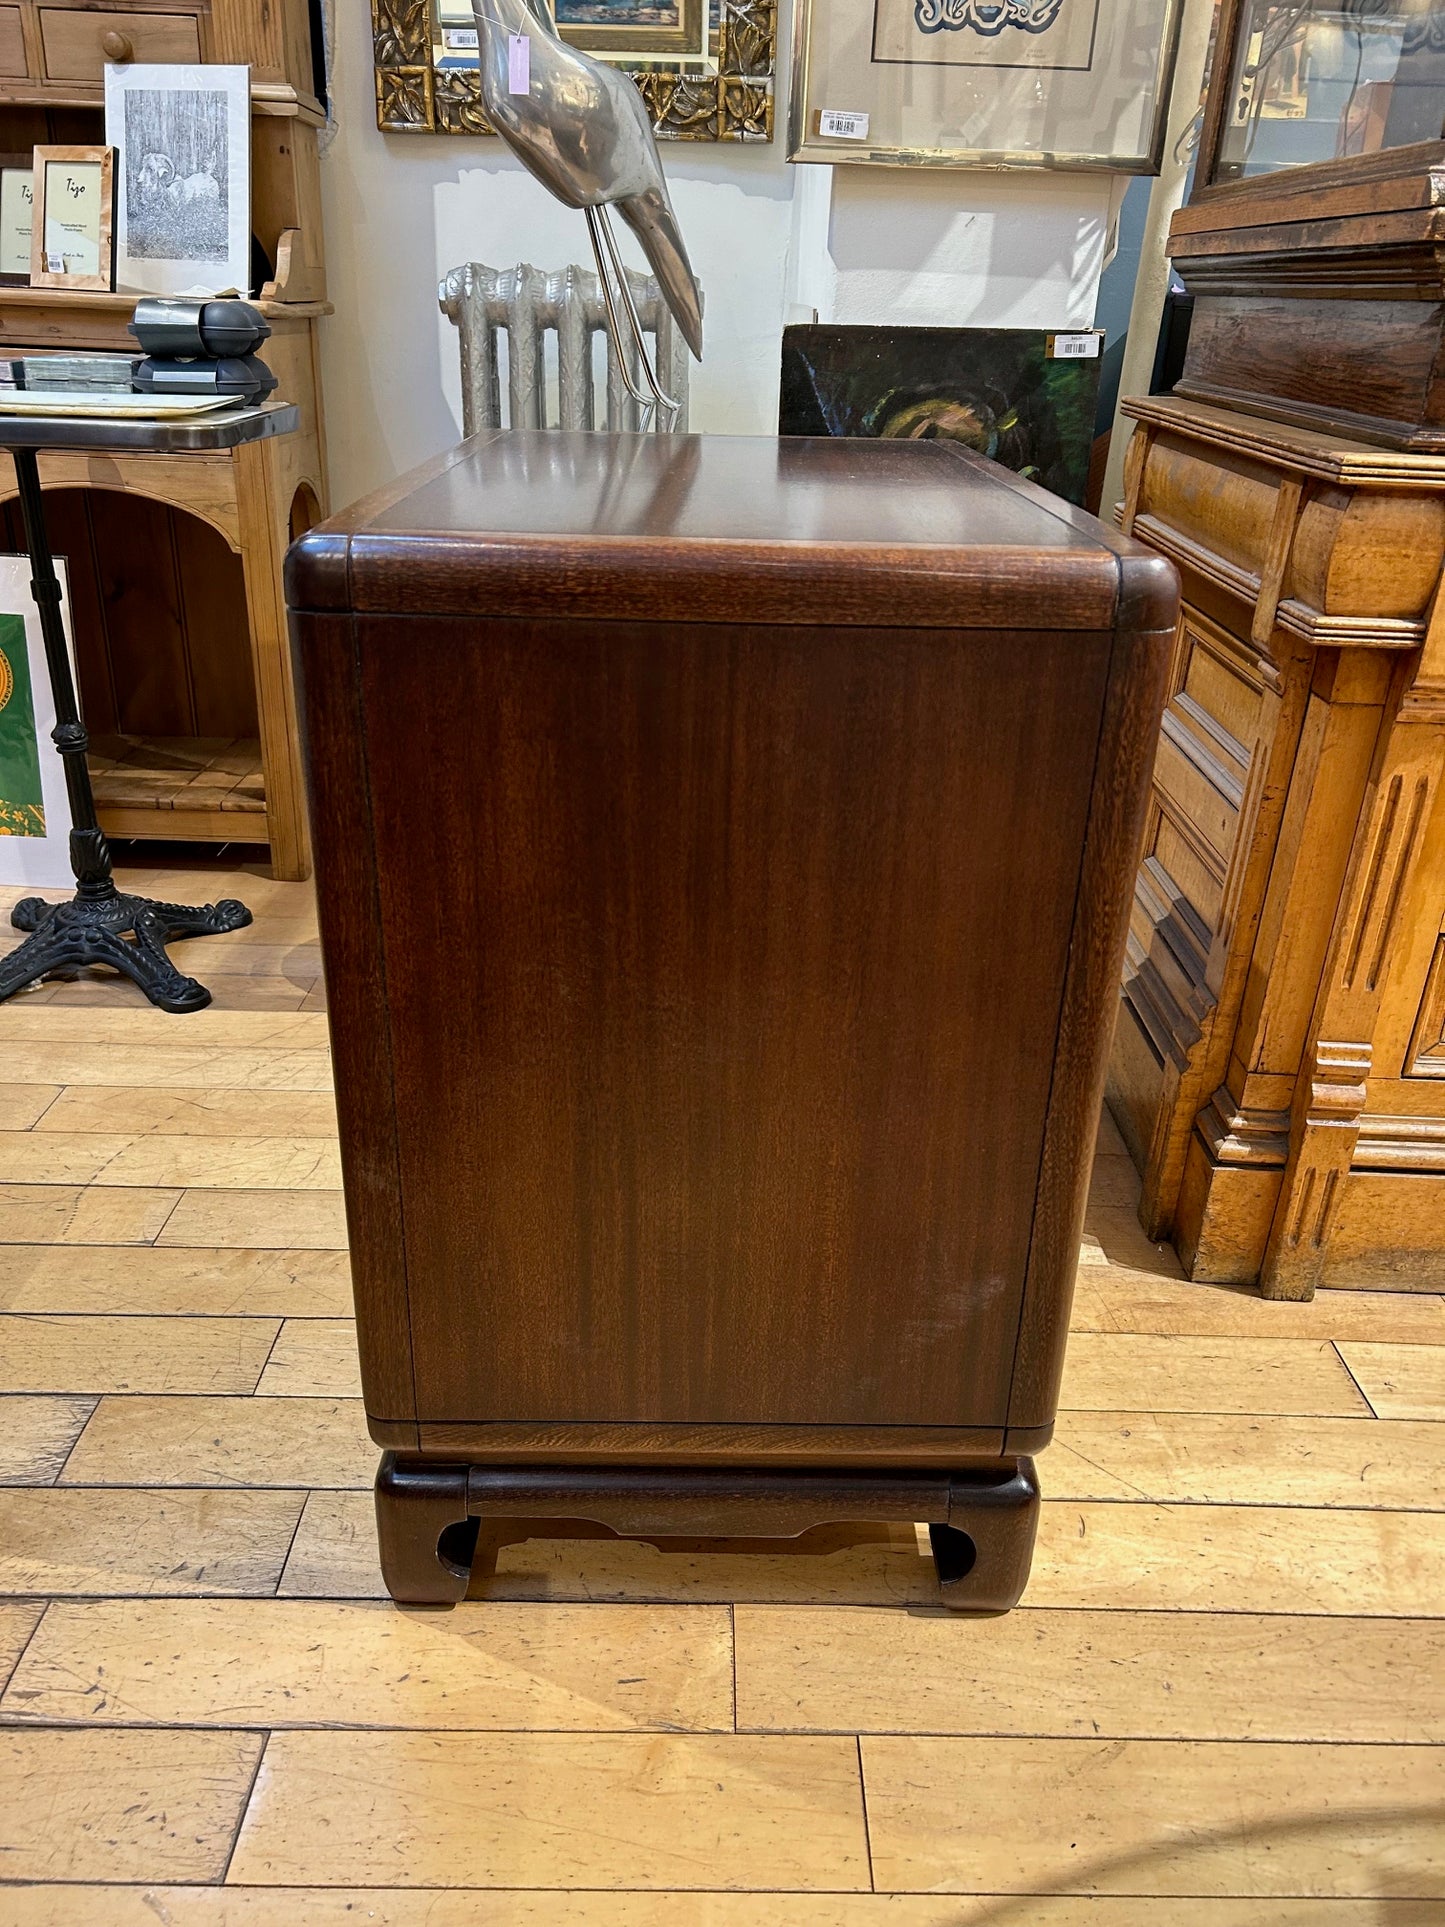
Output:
x,y
183,208
1009,83
34,811
1003,392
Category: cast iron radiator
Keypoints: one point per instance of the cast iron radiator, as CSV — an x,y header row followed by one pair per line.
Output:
x,y
526,304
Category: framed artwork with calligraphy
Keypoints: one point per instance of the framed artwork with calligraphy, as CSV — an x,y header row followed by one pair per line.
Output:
x,y
704,67
983,83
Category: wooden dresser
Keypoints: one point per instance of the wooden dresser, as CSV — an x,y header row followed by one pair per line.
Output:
x,y
724,851
1279,1067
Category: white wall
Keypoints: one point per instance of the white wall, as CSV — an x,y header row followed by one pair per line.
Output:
x,y
771,243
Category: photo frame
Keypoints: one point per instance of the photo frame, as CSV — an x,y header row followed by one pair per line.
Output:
x,y
1078,84
182,137
17,203
705,68
72,232
34,808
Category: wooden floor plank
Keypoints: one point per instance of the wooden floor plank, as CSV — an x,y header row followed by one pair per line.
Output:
x,y
1129,1372
297,1442
1192,1558
62,1542
121,1806
103,1354
1111,1299
287,1663
467,1907
22,1105
176,1160
36,1434
1400,1381
134,1112
259,1220
60,1214
1093,1675
568,1810
27,1157
170,1065
176,1280
141,1024
1155,1817
1112,1234
1240,1559
18,1620
313,1358
238,990
1225,1459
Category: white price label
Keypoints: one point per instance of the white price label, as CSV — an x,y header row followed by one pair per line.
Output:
x,y
519,63
1076,347
836,125
55,264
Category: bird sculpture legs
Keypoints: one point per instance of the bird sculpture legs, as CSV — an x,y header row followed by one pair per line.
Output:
x,y
612,278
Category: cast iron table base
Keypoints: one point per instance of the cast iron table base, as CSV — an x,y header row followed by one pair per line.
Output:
x,y
438,1524
99,925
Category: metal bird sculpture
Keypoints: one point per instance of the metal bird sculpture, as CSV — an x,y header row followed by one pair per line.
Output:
x,y
581,127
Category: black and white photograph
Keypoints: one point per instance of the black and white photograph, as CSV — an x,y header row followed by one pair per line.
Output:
x,y
183,216
177,184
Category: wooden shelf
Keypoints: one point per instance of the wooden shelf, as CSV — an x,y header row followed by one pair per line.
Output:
x,y
180,787
97,301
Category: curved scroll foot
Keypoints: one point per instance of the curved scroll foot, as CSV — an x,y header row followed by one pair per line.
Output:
x,y
983,1554
427,1541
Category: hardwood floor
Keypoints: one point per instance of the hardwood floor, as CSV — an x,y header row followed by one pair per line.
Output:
x,y
1222,1703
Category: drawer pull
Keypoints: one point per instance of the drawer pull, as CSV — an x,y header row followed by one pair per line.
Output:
x,y
116,46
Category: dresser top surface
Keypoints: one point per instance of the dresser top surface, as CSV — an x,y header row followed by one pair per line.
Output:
x,y
837,516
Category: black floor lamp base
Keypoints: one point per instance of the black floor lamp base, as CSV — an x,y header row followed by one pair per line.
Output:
x,y
128,933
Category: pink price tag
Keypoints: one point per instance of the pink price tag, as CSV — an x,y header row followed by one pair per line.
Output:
x,y
519,63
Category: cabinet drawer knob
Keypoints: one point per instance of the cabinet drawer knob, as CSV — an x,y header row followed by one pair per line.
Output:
x,y
116,46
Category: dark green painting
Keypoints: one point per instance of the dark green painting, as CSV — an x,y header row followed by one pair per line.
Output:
x,y
22,805
998,390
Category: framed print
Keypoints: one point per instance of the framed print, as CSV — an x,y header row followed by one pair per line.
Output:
x,y
182,137
704,67
34,811
71,235
17,201
983,83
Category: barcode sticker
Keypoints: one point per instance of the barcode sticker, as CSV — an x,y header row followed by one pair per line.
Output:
x,y
1075,347
836,125
519,63
55,264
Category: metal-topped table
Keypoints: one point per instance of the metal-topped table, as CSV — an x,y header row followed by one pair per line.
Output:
x,y
100,924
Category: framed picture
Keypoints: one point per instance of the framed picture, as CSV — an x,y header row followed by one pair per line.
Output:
x,y
17,201
182,137
983,83
72,234
704,67
1025,398
34,811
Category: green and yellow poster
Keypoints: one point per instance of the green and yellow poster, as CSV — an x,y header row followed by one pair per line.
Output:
x,y
22,806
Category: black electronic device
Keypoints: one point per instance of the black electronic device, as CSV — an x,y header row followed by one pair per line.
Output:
x,y
244,377
177,329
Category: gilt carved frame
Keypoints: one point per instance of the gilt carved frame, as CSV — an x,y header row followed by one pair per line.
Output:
x,y
415,96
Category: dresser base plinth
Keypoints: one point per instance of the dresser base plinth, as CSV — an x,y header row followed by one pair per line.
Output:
x,y
439,1524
